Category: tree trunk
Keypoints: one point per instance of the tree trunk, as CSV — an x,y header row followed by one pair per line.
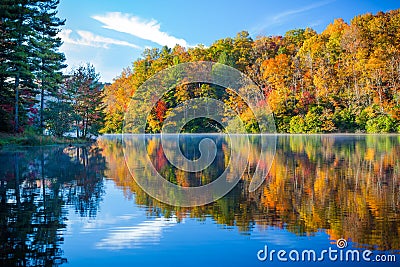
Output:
x,y
42,99
86,124
77,128
41,107
16,104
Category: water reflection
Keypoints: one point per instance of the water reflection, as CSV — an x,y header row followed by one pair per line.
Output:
x,y
36,185
342,186
347,186
148,231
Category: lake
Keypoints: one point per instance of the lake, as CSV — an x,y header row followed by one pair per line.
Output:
x,y
80,206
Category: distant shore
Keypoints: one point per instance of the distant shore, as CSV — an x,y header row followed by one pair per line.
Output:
x,y
11,140
37,140
292,134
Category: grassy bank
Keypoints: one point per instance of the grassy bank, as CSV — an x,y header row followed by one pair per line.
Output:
x,y
36,140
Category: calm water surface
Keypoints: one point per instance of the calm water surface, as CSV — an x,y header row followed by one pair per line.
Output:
x,y
80,206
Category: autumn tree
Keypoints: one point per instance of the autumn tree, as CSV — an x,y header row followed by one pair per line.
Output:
x,y
116,96
85,93
344,79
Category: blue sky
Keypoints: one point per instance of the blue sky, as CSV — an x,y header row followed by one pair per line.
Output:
x,y
112,34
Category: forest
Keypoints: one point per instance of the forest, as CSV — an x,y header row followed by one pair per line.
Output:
x,y
344,79
37,96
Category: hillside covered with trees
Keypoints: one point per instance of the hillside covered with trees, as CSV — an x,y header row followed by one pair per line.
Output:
x,y
344,79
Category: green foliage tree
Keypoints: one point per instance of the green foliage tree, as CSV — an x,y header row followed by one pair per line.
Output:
x,y
29,58
59,117
380,124
46,44
17,71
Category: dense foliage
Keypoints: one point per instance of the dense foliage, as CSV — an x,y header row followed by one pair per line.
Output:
x,y
34,93
77,104
31,64
344,79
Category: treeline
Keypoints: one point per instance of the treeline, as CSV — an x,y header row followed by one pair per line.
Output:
x,y
344,79
35,95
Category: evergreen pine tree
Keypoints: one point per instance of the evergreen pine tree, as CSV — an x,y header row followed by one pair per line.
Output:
x,y
29,58
46,43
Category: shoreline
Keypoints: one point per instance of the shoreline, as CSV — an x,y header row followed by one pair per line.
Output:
x,y
23,140
33,140
278,134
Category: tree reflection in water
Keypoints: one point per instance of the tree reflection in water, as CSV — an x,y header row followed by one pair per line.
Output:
x,y
36,184
347,186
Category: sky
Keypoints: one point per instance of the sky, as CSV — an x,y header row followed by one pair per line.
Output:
x,y
111,34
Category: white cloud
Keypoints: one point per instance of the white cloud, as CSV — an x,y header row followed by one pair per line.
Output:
x,y
133,25
289,13
285,15
89,39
